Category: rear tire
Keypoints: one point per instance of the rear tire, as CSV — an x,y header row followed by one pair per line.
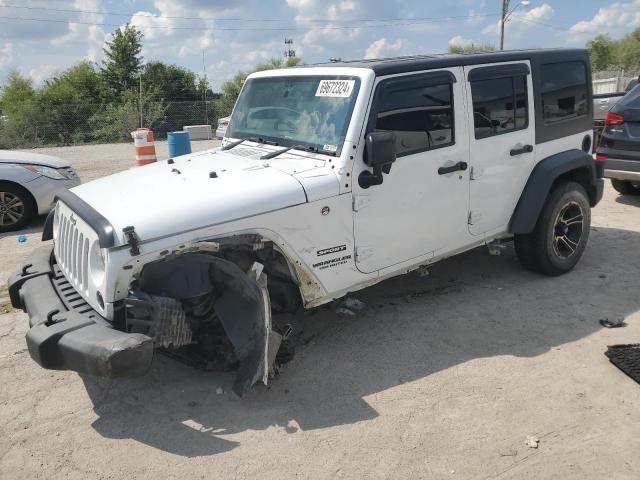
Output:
x,y
17,207
561,232
625,187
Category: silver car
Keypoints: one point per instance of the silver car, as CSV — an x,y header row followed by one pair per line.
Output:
x,y
29,183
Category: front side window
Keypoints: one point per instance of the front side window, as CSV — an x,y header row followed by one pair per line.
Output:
x,y
564,91
499,105
420,115
299,110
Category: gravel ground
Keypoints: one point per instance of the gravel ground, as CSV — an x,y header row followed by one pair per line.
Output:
x,y
441,377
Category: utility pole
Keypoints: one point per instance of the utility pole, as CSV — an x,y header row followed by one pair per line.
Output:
x,y
204,77
141,126
503,19
506,15
289,52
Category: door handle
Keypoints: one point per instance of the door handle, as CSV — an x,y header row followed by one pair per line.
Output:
x,y
521,150
452,168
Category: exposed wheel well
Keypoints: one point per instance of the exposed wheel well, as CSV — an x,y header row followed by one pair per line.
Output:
x,y
582,176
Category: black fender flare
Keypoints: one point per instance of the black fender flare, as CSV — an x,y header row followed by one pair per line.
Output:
x,y
544,174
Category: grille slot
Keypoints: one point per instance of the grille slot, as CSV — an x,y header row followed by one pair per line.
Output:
x,y
72,251
70,298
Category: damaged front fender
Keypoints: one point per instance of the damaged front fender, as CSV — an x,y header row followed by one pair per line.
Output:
x,y
240,300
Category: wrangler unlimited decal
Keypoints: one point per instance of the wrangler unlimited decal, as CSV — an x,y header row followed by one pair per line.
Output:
x,y
334,262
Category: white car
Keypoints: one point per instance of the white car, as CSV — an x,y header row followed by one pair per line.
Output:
x,y
331,178
223,123
29,183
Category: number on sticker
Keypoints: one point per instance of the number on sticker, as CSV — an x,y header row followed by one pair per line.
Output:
x,y
335,88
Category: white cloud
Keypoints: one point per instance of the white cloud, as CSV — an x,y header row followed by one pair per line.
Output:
x,y
43,72
6,56
335,29
617,19
382,48
78,33
522,21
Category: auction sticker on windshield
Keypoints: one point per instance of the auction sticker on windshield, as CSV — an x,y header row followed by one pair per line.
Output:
x,y
335,88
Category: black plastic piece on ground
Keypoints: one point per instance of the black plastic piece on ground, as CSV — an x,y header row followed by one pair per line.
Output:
x,y
605,322
626,358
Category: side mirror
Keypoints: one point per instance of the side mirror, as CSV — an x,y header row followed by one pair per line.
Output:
x,y
380,154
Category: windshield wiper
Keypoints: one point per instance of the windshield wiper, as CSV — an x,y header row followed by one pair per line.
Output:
x,y
229,146
306,148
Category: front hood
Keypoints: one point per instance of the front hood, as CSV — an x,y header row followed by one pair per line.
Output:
x,y
196,191
13,156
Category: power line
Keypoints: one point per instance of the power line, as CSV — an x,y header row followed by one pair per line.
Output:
x,y
279,29
557,27
241,19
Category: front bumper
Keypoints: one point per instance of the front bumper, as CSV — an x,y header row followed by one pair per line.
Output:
x,y
65,333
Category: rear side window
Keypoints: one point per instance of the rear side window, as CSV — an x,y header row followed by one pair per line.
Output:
x,y
499,105
631,99
421,116
564,91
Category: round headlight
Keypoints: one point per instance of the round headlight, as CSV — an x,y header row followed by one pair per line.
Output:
x,y
97,263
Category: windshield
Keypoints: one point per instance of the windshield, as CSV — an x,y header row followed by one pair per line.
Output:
x,y
309,110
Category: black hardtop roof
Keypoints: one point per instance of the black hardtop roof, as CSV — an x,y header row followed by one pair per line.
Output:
x,y
389,66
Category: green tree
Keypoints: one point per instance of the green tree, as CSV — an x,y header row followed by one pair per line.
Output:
x,y
123,59
15,92
231,88
169,82
627,52
601,52
19,110
472,48
68,101
623,54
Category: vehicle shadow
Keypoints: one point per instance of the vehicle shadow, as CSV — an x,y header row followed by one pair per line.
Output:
x,y
36,225
471,306
633,200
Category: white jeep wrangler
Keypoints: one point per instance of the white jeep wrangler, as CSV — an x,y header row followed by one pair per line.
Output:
x,y
331,178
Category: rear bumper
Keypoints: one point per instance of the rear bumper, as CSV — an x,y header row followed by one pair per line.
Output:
x,y
622,169
69,335
622,175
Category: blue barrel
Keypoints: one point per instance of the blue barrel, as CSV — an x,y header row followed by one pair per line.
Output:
x,y
179,143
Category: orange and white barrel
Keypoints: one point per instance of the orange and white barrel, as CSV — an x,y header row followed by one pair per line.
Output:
x,y
145,149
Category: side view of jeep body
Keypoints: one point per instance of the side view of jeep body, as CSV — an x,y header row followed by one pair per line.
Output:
x,y
331,178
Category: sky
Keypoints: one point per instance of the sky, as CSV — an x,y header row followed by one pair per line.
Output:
x,y
43,37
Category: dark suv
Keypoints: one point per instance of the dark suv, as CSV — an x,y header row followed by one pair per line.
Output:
x,y
619,148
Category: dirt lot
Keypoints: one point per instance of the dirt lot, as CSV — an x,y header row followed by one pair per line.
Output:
x,y
440,377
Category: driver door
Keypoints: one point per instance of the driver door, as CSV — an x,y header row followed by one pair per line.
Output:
x,y
422,205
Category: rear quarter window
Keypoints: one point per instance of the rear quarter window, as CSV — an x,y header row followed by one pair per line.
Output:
x,y
632,99
564,91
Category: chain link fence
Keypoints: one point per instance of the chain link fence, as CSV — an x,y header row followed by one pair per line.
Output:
x,y
76,124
